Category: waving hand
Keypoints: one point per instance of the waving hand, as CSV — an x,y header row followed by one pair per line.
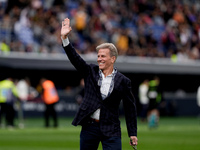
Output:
x,y
66,28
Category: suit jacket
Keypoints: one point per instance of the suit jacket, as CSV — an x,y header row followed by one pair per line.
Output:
x,y
109,114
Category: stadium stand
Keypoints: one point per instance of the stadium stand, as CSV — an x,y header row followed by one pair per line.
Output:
x,y
138,28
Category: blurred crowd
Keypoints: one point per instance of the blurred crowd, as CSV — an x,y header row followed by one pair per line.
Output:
x,y
145,28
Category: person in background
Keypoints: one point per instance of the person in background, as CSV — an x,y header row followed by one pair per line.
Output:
x,y
143,98
8,96
4,47
155,98
23,92
198,96
105,87
50,97
26,92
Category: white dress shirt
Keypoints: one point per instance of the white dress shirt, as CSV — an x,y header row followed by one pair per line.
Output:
x,y
105,86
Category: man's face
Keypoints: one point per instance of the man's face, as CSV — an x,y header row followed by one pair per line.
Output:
x,y
104,59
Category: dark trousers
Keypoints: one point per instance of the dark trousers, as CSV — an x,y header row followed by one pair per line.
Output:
x,y
10,115
50,112
8,111
91,136
2,111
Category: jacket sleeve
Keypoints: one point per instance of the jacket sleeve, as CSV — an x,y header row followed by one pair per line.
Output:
x,y
129,104
76,60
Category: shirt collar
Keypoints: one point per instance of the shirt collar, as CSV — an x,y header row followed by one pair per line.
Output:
x,y
112,74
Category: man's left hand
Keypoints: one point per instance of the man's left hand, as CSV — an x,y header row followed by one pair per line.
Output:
x,y
134,140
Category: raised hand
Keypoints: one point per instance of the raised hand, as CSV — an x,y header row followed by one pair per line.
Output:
x,y
66,28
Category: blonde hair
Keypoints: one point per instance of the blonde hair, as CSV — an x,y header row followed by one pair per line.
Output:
x,y
110,46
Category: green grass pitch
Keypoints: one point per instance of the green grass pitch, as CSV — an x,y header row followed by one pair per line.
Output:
x,y
171,134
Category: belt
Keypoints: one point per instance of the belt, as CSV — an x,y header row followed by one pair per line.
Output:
x,y
95,120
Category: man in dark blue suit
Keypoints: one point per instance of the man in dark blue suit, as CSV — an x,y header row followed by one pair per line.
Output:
x,y
105,87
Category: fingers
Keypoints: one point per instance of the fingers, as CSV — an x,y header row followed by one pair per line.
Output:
x,y
66,28
66,22
63,23
134,140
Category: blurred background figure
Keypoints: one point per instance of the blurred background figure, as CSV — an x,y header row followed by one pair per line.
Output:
x,y
155,97
25,92
50,98
4,47
198,97
143,98
8,96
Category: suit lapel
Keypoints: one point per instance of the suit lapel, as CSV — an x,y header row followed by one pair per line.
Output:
x,y
97,88
117,81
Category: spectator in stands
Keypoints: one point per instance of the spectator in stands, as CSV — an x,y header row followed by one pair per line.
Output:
x,y
4,48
